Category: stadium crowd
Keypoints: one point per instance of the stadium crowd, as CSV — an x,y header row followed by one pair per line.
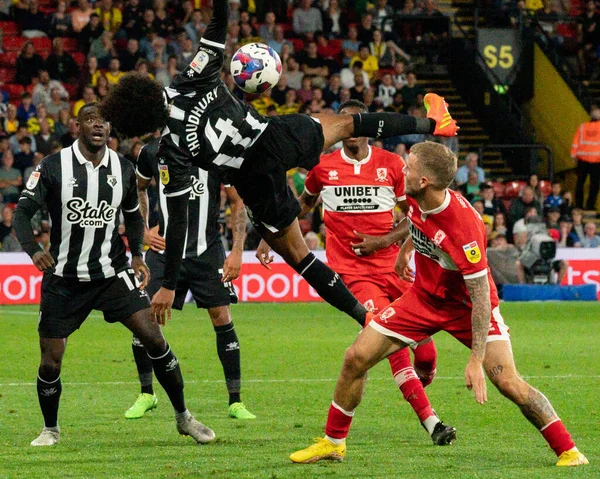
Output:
x,y
57,57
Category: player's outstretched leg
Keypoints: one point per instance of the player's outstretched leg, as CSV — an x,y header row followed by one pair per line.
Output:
x,y
425,362
414,393
369,348
500,367
167,371
228,349
290,245
49,389
147,400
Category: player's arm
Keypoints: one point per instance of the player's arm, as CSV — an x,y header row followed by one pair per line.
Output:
x,y
479,291
233,262
307,203
151,237
402,265
134,229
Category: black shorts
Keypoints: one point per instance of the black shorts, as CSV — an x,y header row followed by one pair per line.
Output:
x,y
67,303
201,275
289,141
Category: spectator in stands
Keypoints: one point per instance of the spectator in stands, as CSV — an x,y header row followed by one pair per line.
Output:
x,y
14,140
554,199
185,57
382,16
369,62
502,259
166,75
524,207
472,187
312,241
24,159
264,101
291,105
306,19
44,139
103,49
280,90
158,55
520,16
347,75
26,109
90,33
33,22
248,34
60,64
350,45
89,96
6,226
380,51
102,88
163,26
553,218
471,163
267,29
33,124
304,94
357,92
386,90
499,224
565,226
234,11
129,57
60,24
10,123
491,205
11,244
332,92
61,126
56,103
28,65
399,76
534,182
589,37
585,151
110,16
401,151
397,105
114,73
520,236
577,231
80,16
89,73
11,179
335,22
132,17
567,204
71,135
278,41
294,74
411,89
590,239
314,66
365,29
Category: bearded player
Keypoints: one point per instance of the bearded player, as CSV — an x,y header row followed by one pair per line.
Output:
x,y
360,185
453,292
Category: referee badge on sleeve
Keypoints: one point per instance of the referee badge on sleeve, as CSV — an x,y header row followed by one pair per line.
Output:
x,y
472,252
34,178
164,174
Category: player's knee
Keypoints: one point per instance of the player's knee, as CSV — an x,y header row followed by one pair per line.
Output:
x,y
50,368
511,386
354,362
219,316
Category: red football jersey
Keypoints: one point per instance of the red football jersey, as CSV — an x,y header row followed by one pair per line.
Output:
x,y
450,243
358,195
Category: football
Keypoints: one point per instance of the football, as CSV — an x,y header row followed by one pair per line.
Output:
x,y
256,67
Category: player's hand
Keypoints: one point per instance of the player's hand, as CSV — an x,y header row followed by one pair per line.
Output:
x,y
232,266
141,270
154,241
43,260
161,305
403,269
475,379
369,244
263,254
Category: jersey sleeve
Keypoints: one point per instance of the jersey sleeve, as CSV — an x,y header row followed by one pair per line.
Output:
x,y
143,165
399,181
313,184
130,198
39,183
467,247
173,169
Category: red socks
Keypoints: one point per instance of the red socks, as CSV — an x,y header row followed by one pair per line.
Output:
x,y
425,362
338,422
558,437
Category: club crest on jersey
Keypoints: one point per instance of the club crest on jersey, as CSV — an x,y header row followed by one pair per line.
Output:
x,y
164,174
111,180
387,314
381,174
439,237
199,62
333,175
472,252
72,183
33,180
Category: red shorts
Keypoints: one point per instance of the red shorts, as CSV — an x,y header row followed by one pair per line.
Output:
x,y
414,317
376,291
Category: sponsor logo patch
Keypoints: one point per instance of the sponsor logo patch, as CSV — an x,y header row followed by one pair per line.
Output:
x,y
164,174
33,180
439,237
199,62
333,175
472,252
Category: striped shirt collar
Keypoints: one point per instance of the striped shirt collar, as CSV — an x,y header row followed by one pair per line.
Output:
x,y
81,159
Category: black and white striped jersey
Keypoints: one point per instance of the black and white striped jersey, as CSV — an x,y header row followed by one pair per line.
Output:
x,y
208,126
84,205
203,206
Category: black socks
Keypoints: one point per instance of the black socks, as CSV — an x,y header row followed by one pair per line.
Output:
x,y
331,287
386,125
166,368
228,349
49,389
143,364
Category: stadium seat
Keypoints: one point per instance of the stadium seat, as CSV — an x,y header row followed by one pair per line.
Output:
x,y
14,90
71,89
9,29
545,187
8,59
298,44
498,189
513,189
13,44
43,43
70,44
7,74
78,57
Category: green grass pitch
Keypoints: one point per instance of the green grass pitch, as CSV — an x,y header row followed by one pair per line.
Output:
x,y
291,355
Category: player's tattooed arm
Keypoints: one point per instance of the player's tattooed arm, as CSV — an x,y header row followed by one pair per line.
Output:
x,y
151,237
142,190
240,218
479,291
